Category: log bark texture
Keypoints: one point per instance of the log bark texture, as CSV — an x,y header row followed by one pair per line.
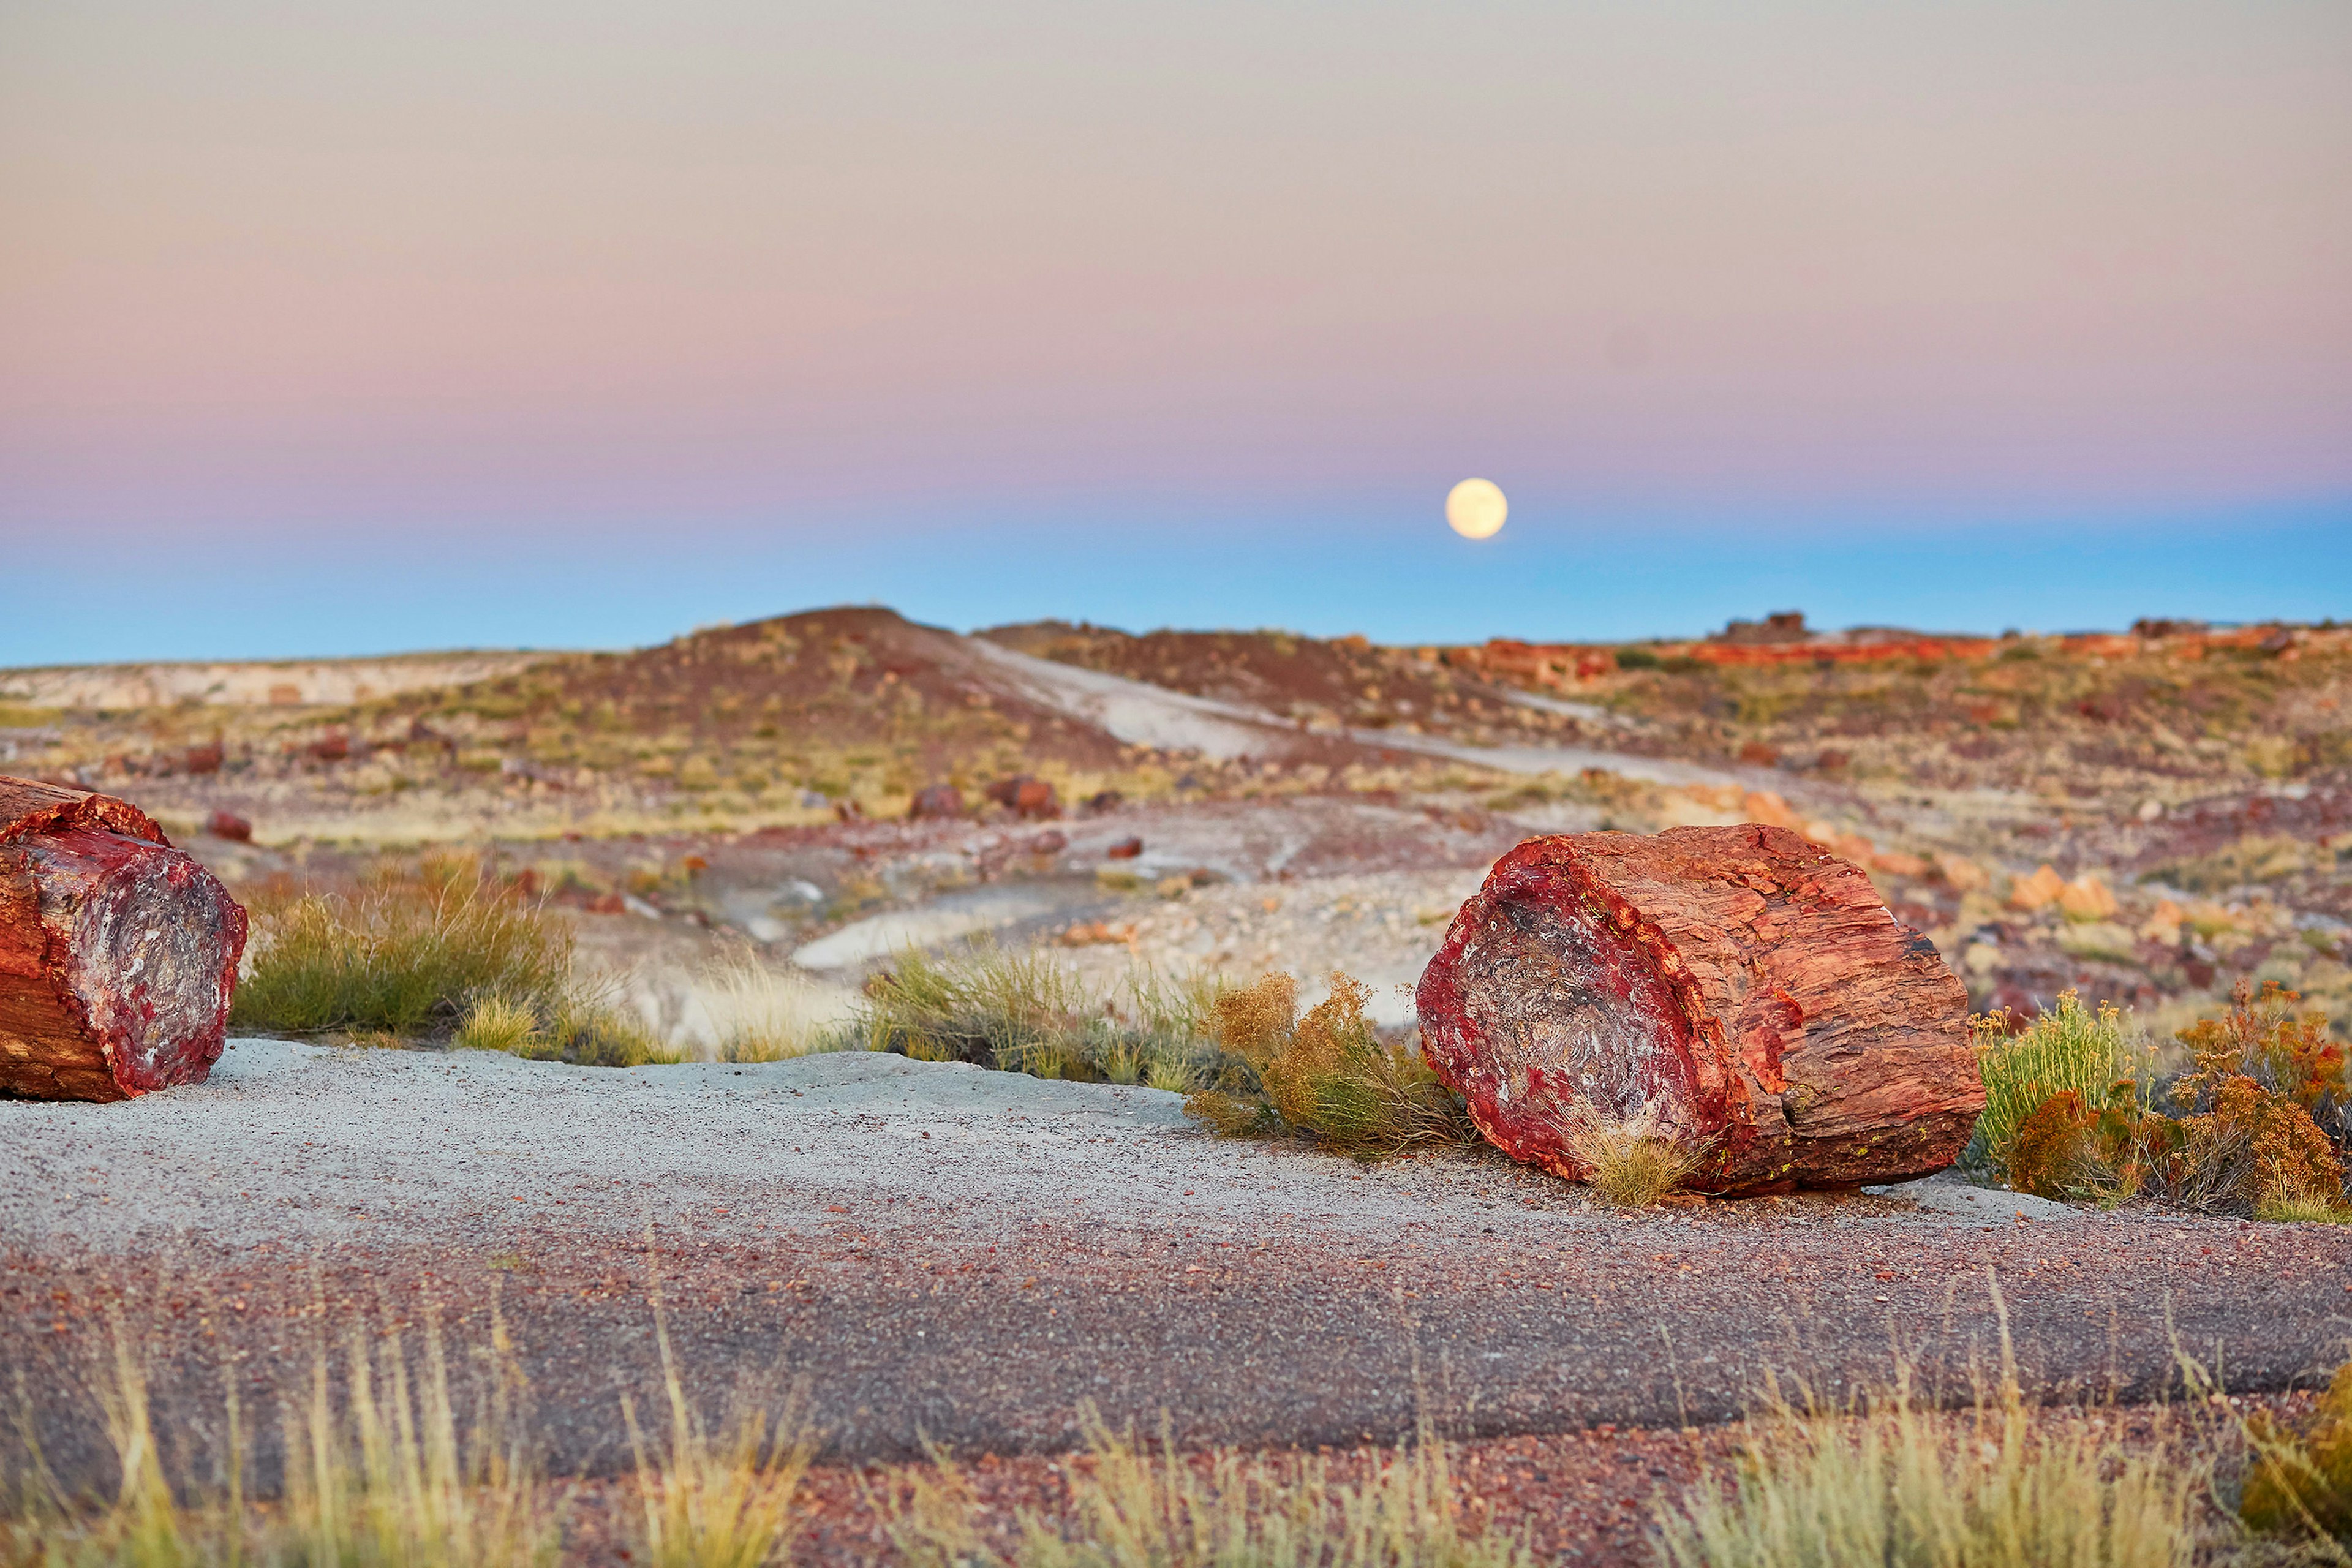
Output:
x,y
1743,987
117,953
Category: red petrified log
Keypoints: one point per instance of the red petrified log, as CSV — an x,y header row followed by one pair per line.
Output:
x,y
117,953
1744,990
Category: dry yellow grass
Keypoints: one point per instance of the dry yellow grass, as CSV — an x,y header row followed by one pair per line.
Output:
x,y
1633,1164
1893,1483
1143,1508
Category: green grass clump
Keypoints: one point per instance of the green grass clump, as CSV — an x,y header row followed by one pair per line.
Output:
x,y
1327,1075
410,953
1022,1013
2304,1208
498,1024
1137,1507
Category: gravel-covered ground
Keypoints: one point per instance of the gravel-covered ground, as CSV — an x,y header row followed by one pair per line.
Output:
x,y
946,1252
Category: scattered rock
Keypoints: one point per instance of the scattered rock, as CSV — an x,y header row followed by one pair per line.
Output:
x,y
1737,988
1097,933
936,802
1053,841
1032,799
2037,892
229,826
1125,849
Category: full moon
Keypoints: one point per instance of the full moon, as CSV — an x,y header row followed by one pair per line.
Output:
x,y
1476,509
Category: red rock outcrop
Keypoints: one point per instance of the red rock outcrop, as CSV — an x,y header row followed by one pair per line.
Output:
x,y
117,953
1741,986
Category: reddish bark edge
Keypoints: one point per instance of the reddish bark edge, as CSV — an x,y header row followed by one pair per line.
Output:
x,y
117,953
28,807
1794,1028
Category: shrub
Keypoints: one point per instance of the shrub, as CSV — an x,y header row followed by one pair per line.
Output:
x,y
2072,1149
2066,1049
411,951
2250,1140
1636,659
2300,1482
1326,1076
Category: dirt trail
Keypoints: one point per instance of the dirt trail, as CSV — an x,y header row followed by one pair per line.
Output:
x,y
945,1251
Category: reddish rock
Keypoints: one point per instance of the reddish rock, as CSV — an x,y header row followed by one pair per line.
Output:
x,y
1053,841
1740,985
608,904
1125,849
1029,798
203,759
939,802
117,953
228,825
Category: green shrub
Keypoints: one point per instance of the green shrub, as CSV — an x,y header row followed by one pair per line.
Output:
x,y
2250,1136
410,953
1636,659
2066,1049
1326,1076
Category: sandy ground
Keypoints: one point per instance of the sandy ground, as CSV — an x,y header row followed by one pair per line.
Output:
x,y
947,1252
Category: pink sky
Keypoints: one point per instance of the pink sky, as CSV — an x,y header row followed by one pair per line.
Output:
x,y
282,272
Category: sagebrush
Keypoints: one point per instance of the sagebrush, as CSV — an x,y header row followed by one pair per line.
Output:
x,y
1327,1075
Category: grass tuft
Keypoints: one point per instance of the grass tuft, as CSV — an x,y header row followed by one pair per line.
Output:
x,y
762,1014
1142,1508
498,1024
410,951
385,1475
1024,1013
722,1499
1893,1483
1631,1164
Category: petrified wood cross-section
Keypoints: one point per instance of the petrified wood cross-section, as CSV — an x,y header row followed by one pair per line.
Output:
x,y
1741,988
117,953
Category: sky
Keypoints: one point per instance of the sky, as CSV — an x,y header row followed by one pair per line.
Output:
x,y
357,327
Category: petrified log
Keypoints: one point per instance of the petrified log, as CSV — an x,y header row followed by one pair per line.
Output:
x,y
117,953
1740,988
